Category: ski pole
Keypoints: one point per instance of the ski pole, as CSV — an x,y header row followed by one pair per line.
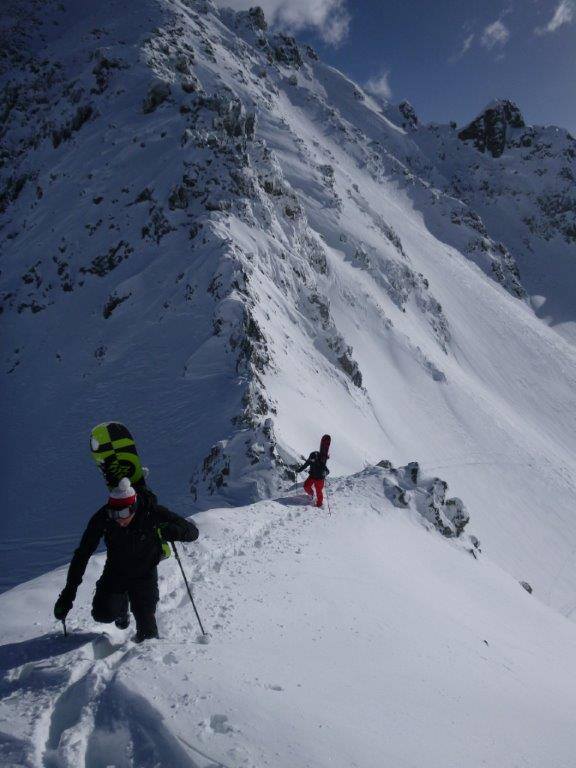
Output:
x,y
327,500
64,627
187,586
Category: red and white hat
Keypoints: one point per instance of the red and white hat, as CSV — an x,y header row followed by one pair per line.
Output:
x,y
122,496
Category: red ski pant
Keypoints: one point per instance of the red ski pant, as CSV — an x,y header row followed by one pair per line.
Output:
x,y
318,485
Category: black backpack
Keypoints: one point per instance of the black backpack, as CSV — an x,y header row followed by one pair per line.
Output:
x,y
317,465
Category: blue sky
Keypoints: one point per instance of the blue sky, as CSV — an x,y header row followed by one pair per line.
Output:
x,y
448,58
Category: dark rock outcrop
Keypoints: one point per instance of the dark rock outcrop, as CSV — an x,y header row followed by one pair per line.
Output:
x,y
410,118
405,486
490,130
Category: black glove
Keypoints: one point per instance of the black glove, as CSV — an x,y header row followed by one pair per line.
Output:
x,y
181,530
64,604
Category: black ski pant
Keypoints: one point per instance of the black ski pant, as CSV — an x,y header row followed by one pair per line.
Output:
x,y
114,592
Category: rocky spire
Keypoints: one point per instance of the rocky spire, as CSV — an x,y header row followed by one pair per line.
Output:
x,y
490,130
410,118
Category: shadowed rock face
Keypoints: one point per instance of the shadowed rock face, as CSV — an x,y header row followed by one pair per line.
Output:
x,y
256,14
409,114
489,131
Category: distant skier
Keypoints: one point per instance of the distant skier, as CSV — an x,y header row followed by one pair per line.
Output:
x,y
134,527
317,474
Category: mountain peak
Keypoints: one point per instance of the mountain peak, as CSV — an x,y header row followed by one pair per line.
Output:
x,y
490,129
254,17
509,109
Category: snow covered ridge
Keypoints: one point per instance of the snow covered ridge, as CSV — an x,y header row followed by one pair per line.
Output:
x,y
212,236
429,635
412,489
185,172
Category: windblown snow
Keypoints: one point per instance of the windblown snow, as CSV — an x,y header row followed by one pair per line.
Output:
x,y
212,236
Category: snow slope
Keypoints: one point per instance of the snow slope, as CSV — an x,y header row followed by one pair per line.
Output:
x,y
361,638
213,236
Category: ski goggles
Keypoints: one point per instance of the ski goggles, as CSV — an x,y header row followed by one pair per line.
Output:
x,y
122,513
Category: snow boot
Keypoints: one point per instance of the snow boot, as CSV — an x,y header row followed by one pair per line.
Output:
x,y
146,627
123,622
123,619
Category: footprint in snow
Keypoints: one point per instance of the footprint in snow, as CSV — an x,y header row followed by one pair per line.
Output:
x,y
32,676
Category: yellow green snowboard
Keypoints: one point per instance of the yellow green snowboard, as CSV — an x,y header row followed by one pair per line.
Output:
x,y
114,451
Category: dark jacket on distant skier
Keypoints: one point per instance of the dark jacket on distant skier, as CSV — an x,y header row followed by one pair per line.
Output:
x,y
318,469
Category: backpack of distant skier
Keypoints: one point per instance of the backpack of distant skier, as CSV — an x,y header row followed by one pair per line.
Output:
x,y
318,466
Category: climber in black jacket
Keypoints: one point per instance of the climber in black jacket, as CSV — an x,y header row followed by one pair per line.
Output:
x,y
134,527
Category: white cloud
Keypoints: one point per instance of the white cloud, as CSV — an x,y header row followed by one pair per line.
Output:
x,y
328,18
467,43
564,14
465,47
495,34
379,85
